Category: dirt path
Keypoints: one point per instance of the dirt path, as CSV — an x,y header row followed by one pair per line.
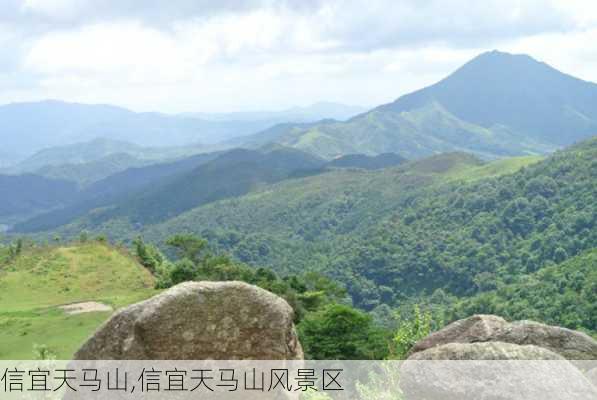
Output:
x,y
85,307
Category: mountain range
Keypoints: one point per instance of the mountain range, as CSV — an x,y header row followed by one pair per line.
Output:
x,y
88,162
78,200
158,192
311,113
496,105
30,127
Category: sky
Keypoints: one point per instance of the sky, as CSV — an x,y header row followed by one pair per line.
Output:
x,y
219,56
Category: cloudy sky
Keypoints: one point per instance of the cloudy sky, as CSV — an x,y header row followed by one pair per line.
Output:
x,y
231,55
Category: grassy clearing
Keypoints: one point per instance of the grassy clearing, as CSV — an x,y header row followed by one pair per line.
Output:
x,y
494,169
34,284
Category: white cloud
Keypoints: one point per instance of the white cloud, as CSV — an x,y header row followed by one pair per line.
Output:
x,y
121,52
573,53
250,54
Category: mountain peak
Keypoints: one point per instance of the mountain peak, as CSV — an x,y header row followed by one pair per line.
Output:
x,y
495,62
498,54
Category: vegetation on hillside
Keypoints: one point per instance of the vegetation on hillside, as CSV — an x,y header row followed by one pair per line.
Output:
x,y
449,233
36,280
561,294
28,194
144,196
408,232
112,190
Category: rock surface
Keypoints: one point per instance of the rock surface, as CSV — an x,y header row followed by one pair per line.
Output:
x,y
199,321
492,370
488,351
592,376
570,344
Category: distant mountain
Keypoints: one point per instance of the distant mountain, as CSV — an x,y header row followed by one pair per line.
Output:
x,y
9,158
314,112
113,189
77,153
232,174
142,197
384,160
29,127
26,194
497,104
86,173
98,153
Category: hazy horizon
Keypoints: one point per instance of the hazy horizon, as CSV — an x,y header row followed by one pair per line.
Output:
x,y
273,109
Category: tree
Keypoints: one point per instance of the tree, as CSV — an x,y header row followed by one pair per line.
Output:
x,y
188,246
149,255
409,332
340,332
182,271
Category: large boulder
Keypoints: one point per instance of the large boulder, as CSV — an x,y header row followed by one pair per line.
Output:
x,y
570,344
492,370
199,321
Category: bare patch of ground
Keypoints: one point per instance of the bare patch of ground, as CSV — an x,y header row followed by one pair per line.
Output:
x,y
85,307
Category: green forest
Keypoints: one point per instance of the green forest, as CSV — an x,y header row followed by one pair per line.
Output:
x,y
412,232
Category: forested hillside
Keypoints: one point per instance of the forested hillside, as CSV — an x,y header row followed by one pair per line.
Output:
x,y
405,232
111,190
84,174
27,194
260,209
564,294
380,161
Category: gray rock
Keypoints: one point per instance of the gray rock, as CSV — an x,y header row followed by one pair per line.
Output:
x,y
492,370
570,344
592,376
199,321
478,328
485,351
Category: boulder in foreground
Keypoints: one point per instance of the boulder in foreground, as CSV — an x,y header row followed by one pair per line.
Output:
x,y
199,321
570,344
492,370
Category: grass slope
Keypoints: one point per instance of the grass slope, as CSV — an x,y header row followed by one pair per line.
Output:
x,y
34,284
495,168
